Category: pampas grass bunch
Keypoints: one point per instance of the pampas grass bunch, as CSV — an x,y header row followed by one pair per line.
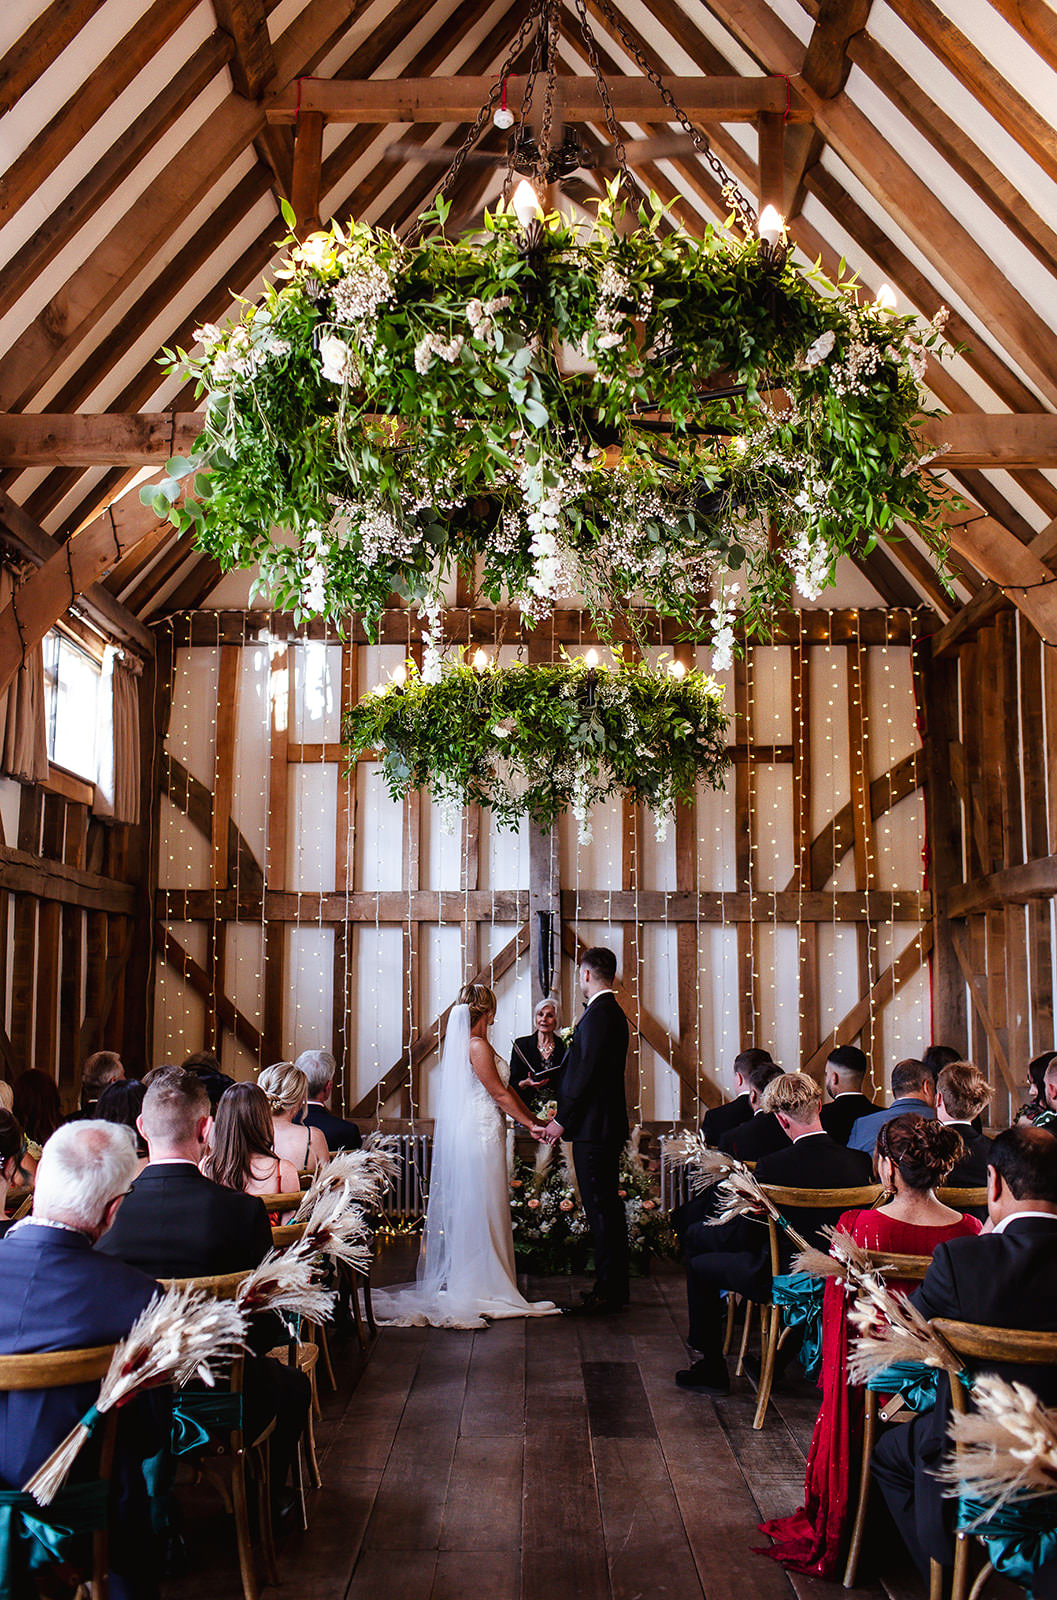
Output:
x,y
286,1281
1007,1445
336,1227
892,1330
366,1174
182,1334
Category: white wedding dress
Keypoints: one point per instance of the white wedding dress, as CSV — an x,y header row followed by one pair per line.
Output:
x,y
466,1267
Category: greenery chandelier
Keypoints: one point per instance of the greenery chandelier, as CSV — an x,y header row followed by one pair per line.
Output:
x,y
556,409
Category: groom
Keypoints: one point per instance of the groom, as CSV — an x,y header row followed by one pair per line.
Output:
x,y
592,1112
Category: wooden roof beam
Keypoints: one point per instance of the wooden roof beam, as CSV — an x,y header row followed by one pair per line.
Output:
x,y
253,74
1033,20
826,66
97,603
458,99
991,597
40,438
909,200
42,43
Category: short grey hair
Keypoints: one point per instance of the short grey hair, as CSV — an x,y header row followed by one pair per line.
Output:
x,y
83,1166
548,1000
319,1067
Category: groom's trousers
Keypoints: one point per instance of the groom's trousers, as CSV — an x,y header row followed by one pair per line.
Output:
x,y
597,1164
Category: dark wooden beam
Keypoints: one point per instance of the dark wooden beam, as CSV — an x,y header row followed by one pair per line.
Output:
x,y
42,43
826,67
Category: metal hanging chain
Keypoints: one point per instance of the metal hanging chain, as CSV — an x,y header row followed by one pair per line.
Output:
x,y
603,94
549,34
483,115
535,65
731,193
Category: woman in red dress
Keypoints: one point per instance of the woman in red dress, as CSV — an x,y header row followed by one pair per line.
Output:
x,y
913,1157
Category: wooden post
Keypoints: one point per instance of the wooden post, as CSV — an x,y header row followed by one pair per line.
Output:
x,y
344,858
687,934
938,685
275,933
807,954
544,874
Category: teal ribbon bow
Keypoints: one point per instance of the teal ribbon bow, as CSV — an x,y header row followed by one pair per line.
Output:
x,y
917,1383
196,1416
1019,1535
799,1295
33,1536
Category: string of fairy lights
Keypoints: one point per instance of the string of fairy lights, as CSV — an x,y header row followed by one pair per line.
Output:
x,y
811,677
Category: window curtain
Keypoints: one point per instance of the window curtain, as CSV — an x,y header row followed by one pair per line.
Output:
x,y
117,779
23,730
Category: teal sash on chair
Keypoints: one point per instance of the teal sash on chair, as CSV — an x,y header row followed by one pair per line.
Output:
x,y
799,1296
33,1536
1019,1536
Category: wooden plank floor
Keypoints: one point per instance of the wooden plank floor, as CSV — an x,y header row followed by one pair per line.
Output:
x,y
538,1460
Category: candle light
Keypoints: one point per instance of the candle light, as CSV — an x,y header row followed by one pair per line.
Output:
x,y
399,675
481,662
771,226
886,300
526,204
677,669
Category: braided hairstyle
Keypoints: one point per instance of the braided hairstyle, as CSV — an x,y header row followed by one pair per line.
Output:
x,y
922,1150
480,1000
285,1087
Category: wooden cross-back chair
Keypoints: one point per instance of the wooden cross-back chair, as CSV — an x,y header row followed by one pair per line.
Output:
x,y
908,1269
59,1369
237,1451
772,1333
963,1199
986,1345
289,1200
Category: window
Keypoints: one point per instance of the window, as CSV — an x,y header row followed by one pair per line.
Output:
x,y
72,680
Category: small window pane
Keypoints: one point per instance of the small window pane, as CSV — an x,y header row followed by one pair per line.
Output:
x,y
71,691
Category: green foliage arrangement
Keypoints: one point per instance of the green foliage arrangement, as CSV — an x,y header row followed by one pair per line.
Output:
x,y
604,412
550,1230
537,740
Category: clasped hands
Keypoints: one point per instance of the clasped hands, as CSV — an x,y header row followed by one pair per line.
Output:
x,y
546,1135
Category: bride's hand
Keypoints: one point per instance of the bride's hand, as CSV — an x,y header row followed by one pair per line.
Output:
x,y
538,1131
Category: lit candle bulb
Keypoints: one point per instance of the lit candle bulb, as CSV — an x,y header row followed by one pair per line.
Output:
x,y
886,300
771,225
677,669
400,675
481,662
526,203
591,663
591,660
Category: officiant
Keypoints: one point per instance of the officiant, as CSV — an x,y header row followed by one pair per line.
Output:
x,y
536,1061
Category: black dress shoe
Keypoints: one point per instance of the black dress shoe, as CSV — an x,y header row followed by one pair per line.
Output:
x,y
705,1377
594,1308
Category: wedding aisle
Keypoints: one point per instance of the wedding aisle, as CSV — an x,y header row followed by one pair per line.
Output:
x,y
543,1460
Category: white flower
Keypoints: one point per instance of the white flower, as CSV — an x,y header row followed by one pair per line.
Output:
x,y
337,359
609,341
313,590
317,252
208,334
821,348
424,354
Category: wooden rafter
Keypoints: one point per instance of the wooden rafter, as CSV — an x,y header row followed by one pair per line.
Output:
x,y
42,43
253,73
825,67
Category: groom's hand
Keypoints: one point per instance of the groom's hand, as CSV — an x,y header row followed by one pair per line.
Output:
x,y
553,1131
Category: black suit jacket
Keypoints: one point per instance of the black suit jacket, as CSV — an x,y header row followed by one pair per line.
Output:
x,y
591,1099
58,1294
339,1133
841,1115
761,1136
724,1119
815,1162
176,1223
970,1170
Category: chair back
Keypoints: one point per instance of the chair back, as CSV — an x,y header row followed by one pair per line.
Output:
x,y
865,1195
963,1199
54,1369
912,1268
287,1233
1024,1347
221,1285
281,1202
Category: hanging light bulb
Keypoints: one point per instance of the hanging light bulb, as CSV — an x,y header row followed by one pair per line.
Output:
x,y
771,225
677,669
591,660
526,204
400,675
886,300
481,662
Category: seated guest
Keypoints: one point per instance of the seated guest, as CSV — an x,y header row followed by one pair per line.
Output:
x,y
206,1067
536,1061
99,1070
723,1119
177,1223
1006,1278
7,1095
243,1148
60,1294
122,1102
286,1089
938,1056
913,1089
36,1106
1036,1101
913,1157
846,1069
735,1255
1047,1117
962,1093
763,1133
12,1148
319,1067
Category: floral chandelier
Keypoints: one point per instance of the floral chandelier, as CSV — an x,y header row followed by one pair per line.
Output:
x,y
556,410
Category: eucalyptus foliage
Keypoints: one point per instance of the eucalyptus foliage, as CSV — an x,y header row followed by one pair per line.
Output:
x,y
538,740
388,413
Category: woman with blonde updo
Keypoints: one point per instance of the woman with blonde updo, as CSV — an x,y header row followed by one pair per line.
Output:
x,y
914,1156
286,1090
466,1268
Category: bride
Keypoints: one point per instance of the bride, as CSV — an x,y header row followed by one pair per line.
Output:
x,y
466,1263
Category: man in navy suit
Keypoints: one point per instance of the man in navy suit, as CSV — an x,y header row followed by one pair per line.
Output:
x,y
846,1069
1005,1279
60,1294
319,1067
913,1089
593,1113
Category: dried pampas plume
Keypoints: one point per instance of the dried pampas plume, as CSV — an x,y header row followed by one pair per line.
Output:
x,y
892,1330
338,1228
182,1334
704,1165
286,1281
366,1174
1007,1445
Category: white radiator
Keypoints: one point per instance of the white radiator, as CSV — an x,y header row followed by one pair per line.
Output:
x,y
675,1180
407,1196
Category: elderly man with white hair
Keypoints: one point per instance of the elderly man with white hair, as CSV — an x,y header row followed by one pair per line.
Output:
x,y
319,1067
61,1294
